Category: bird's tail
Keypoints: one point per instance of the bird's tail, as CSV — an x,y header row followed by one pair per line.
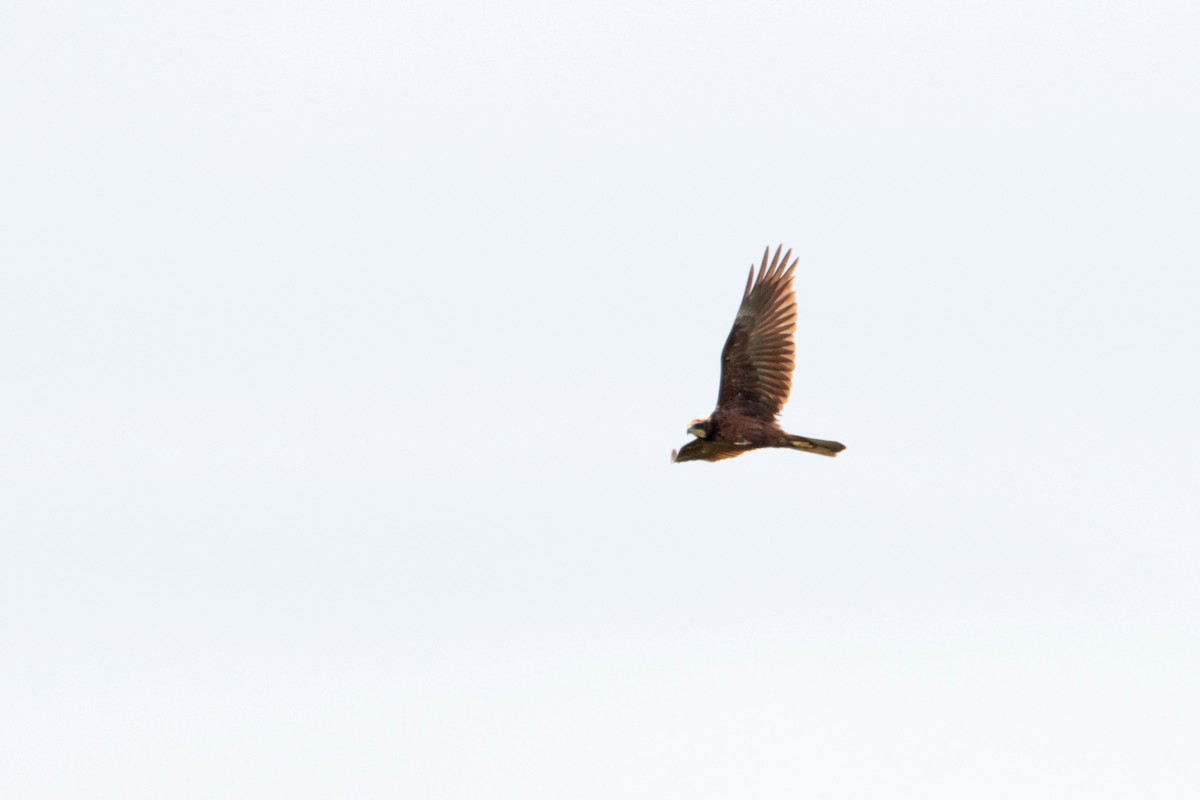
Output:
x,y
821,447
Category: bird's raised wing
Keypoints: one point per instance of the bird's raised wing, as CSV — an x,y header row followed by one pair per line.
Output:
x,y
759,355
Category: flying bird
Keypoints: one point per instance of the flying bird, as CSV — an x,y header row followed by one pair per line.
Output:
x,y
756,374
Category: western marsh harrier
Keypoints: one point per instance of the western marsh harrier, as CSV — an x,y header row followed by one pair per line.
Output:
x,y
756,374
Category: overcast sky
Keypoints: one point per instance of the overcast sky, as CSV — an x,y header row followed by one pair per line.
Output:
x,y
344,346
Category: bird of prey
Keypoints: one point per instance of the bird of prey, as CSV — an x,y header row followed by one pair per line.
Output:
x,y
756,374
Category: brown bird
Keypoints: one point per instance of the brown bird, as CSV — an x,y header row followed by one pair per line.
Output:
x,y
756,374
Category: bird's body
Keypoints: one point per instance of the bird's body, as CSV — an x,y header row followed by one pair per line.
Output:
x,y
756,374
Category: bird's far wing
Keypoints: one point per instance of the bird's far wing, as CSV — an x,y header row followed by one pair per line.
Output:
x,y
759,355
706,450
719,452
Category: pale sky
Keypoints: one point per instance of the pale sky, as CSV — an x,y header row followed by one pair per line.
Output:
x,y
344,346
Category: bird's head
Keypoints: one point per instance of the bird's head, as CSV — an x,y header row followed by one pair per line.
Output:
x,y
699,428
